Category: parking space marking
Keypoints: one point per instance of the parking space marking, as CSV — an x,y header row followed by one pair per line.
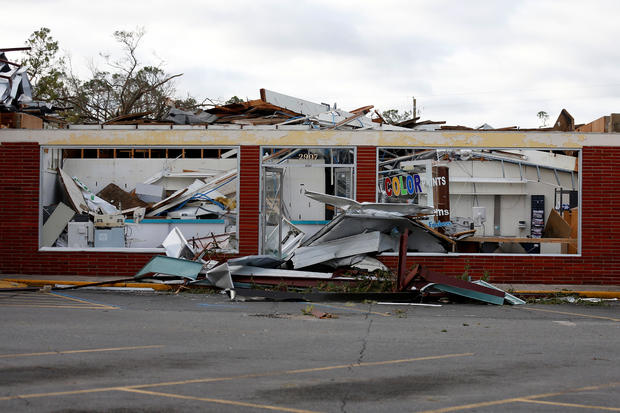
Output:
x,y
80,300
377,363
518,399
49,300
83,307
299,371
575,314
352,309
94,350
238,377
470,406
583,406
58,393
218,401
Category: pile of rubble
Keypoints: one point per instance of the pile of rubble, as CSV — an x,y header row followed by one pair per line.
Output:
x,y
342,255
16,96
277,109
210,195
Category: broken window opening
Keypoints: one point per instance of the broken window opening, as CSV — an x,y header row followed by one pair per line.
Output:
x,y
129,198
286,173
499,201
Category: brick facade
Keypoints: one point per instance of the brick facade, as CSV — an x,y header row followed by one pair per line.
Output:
x,y
249,200
599,263
366,174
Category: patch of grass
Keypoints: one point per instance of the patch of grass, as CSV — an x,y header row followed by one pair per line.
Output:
x,y
465,275
377,281
400,313
485,276
562,297
307,310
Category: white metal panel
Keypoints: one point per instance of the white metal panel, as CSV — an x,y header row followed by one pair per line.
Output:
x,y
294,104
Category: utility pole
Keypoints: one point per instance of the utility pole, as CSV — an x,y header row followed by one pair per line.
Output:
x,y
414,109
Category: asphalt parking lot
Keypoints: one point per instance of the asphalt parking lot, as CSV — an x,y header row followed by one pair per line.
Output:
x,y
88,351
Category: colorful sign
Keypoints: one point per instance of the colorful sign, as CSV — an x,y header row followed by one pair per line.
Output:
x,y
402,185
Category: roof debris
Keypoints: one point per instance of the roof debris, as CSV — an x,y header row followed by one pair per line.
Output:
x,y
16,90
354,237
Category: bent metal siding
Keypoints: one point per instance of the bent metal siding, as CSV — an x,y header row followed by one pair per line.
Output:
x,y
599,262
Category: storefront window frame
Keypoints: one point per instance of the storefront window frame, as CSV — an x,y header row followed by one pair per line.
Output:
x,y
493,254
61,147
262,164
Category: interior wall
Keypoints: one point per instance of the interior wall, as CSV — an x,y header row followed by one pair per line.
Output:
x,y
126,173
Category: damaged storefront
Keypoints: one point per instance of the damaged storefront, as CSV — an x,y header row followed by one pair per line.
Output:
x,y
491,201
450,201
316,203
130,198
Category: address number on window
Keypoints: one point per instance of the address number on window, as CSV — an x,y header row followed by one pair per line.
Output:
x,y
309,156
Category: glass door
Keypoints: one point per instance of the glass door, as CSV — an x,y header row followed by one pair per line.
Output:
x,y
271,217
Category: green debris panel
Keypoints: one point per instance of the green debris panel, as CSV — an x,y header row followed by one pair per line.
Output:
x,y
171,266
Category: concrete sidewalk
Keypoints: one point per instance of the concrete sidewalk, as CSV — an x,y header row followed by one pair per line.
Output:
x,y
591,291
583,290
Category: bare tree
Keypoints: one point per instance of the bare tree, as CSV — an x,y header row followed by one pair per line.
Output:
x,y
125,86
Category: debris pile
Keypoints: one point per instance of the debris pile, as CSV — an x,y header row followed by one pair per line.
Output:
x,y
17,106
110,218
277,109
339,258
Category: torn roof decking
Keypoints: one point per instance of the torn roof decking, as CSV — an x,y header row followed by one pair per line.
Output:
x,y
257,108
347,225
369,242
293,104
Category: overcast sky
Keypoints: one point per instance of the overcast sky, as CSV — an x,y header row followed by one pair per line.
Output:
x,y
466,62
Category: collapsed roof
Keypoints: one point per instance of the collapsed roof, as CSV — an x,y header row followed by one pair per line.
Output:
x,y
15,88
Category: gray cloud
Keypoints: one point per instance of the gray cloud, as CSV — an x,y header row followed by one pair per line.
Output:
x,y
467,62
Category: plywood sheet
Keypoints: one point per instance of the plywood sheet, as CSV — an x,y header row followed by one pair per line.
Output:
x,y
556,227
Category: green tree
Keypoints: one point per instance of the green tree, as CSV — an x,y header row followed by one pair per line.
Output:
x,y
46,68
234,99
393,116
543,116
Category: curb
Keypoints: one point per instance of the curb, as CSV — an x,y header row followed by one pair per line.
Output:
x,y
41,283
11,284
18,282
585,294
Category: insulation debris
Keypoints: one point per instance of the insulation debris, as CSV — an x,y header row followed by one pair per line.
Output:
x,y
122,200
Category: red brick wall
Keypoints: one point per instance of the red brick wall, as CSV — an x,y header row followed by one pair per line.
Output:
x,y
19,221
599,263
249,200
366,174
